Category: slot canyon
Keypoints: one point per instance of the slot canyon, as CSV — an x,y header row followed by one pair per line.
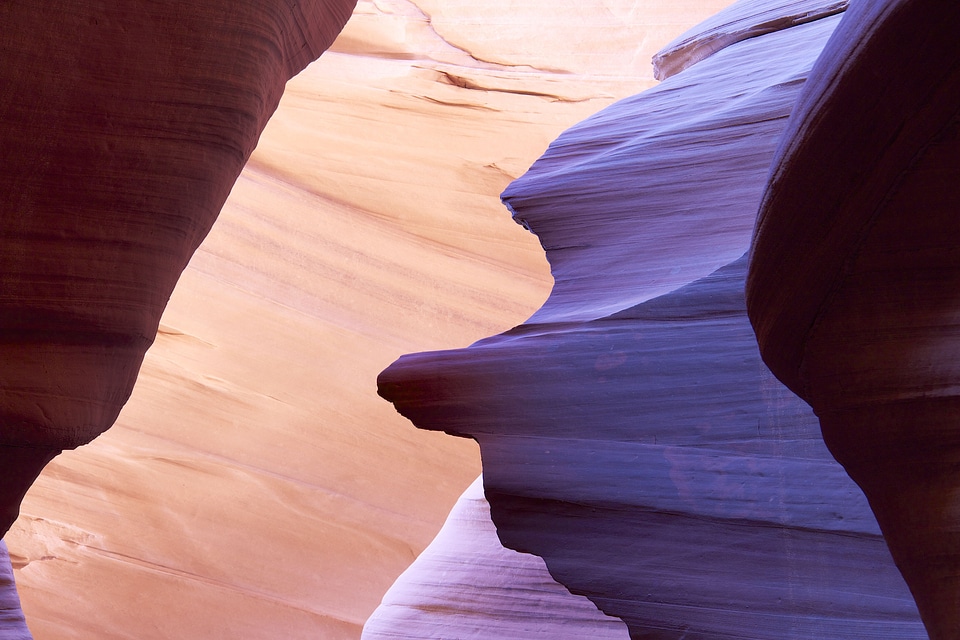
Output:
x,y
275,362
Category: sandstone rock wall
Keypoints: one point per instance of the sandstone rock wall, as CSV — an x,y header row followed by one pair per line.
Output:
x,y
12,624
631,435
467,585
123,132
853,278
254,483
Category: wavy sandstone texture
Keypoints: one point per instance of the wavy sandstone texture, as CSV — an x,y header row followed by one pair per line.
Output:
x,y
253,484
12,624
470,586
855,272
631,435
123,133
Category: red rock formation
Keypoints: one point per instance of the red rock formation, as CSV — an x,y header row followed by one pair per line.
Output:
x,y
122,133
855,273
366,224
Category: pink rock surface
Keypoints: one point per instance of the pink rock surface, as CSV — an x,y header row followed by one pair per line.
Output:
x,y
854,274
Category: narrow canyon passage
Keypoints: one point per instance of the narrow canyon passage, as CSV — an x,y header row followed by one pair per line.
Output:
x,y
254,481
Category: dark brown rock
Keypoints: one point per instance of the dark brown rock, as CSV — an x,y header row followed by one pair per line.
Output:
x,y
122,131
855,274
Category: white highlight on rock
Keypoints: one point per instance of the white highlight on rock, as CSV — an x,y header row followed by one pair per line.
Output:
x,y
466,585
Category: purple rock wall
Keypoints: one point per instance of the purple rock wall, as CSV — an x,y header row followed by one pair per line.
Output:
x,y
631,434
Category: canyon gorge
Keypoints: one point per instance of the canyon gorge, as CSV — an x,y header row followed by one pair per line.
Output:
x,y
708,369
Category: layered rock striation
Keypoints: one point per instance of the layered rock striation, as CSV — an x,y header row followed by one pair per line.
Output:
x,y
473,587
631,434
13,626
252,483
123,132
854,276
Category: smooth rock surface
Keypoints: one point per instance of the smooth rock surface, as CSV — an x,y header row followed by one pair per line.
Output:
x,y
740,21
659,469
122,136
123,133
630,433
855,272
467,585
253,483
13,626
660,189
